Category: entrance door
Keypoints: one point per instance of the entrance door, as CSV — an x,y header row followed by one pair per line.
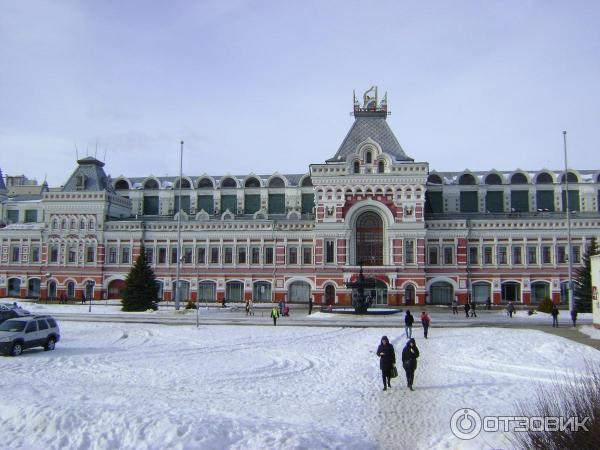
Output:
x,y
379,294
329,294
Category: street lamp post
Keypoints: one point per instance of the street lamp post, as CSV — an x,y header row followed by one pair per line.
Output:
x,y
177,282
570,254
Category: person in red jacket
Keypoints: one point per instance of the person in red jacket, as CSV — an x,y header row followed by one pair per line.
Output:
x,y
425,321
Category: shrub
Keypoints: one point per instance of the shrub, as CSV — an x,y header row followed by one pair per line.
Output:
x,y
572,396
545,306
531,312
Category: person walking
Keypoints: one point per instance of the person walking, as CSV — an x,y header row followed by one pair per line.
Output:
x,y
387,361
488,304
310,305
251,307
410,353
473,307
408,323
454,307
275,315
247,307
467,309
510,309
425,321
574,317
554,316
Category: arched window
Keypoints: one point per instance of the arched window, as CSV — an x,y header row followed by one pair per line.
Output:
x,y
493,178
369,239
54,224
544,178
539,291
82,224
518,178
73,224
329,294
70,290
570,176
481,292
52,289
434,179
228,183
185,184
381,167
121,185
92,224
252,183
409,295
205,183
466,179
307,182
151,184
207,291
234,291
276,183
368,157
356,168
65,224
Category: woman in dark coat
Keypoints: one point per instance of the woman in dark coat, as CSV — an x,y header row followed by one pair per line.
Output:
x,y
387,360
409,361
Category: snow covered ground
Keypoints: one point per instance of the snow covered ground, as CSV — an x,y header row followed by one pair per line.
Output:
x,y
591,331
148,386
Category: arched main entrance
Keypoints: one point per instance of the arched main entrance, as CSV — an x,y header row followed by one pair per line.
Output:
x,y
329,294
14,287
539,291
33,288
409,295
234,291
481,291
441,293
369,239
299,292
52,289
261,291
116,289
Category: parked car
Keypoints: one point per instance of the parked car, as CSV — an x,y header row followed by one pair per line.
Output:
x,y
20,333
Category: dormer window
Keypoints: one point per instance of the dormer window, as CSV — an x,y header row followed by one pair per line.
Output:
x,y
356,167
80,182
368,157
381,167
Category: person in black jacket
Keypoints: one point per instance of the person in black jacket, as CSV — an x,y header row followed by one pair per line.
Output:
x,y
387,360
408,323
409,362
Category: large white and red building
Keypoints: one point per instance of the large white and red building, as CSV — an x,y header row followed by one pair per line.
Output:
x,y
426,236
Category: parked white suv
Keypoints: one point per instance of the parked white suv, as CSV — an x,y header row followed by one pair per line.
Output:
x,y
26,332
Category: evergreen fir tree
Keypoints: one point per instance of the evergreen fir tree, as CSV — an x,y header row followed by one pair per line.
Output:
x,y
141,292
582,280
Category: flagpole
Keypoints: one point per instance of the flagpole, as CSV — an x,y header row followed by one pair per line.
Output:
x,y
570,257
177,282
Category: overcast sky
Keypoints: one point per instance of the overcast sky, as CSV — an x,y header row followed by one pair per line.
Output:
x,y
265,86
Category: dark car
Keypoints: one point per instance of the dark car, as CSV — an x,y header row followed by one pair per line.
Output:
x,y
6,314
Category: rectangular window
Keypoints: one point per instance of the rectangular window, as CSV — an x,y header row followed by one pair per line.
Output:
x,y
449,255
546,254
162,255
519,201
494,201
151,205
502,255
214,255
531,254
35,254
573,200
54,254
206,203
90,254
251,203
576,250
434,202
227,255
329,252
149,255
544,200
12,216
15,253
255,255
409,251
112,255
188,255
307,255
308,203
292,255
185,204
488,255
517,255
125,255
201,255
468,202
561,254
241,255
473,255
71,255
173,255
432,253
229,202
269,255
31,215
276,203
